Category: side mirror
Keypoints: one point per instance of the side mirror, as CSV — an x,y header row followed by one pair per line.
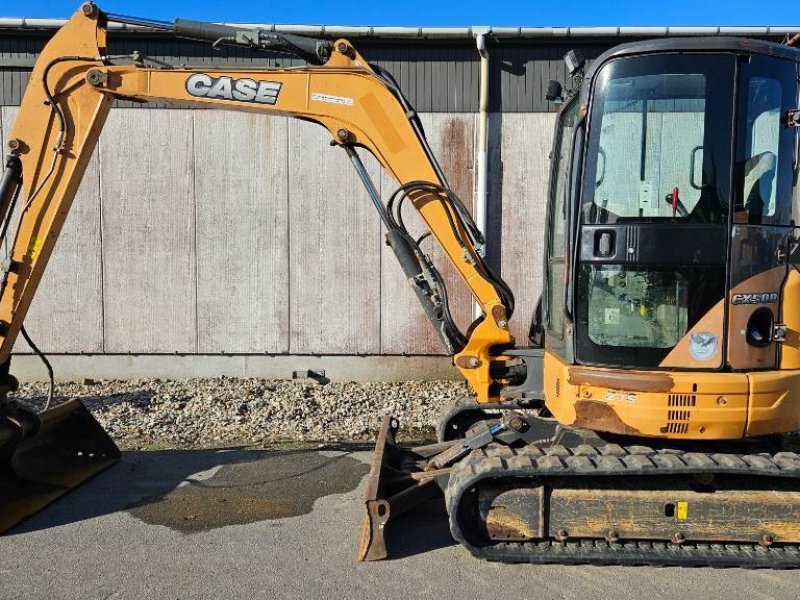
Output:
x,y
553,93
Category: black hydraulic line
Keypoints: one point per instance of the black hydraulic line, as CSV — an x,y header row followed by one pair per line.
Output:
x,y
140,22
448,199
10,186
413,118
62,126
9,212
454,208
313,50
428,283
213,32
434,190
368,183
428,286
54,106
47,365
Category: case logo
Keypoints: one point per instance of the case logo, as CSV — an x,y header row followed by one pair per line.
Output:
x,y
202,85
762,298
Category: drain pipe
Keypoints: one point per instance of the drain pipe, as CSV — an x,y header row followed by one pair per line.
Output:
x,y
482,147
483,136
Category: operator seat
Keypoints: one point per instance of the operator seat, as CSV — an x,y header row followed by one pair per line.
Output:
x,y
759,177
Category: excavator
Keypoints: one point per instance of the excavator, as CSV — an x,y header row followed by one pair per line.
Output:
x,y
648,417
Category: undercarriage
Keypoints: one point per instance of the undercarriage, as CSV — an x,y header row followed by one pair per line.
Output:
x,y
563,500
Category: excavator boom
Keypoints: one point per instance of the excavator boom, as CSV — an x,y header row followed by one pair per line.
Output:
x,y
75,82
71,91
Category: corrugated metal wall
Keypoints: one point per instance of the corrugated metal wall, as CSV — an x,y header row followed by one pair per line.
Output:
x,y
436,76
180,243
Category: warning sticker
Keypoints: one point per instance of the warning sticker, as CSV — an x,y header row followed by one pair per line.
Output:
x,y
681,511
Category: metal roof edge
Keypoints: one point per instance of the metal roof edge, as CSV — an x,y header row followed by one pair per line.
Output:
x,y
29,24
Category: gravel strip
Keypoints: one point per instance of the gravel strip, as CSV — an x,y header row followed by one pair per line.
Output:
x,y
207,413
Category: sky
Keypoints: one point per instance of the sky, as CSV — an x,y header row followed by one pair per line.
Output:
x,y
436,13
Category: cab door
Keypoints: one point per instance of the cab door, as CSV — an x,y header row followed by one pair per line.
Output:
x,y
555,267
762,210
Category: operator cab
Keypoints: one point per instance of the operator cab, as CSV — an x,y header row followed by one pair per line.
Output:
x,y
672,211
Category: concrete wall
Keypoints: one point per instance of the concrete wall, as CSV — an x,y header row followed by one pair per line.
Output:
x,y
214,233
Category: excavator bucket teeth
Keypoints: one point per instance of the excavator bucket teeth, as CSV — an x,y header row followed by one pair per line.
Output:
x,y
45,455
397,482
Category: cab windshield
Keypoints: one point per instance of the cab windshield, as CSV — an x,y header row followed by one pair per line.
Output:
x,y
658,157
660,139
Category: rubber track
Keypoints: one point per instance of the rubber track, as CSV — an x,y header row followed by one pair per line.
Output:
x,y
616,461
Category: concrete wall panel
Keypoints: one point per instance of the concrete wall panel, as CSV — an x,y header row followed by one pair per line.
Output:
x,y
67,312
518,189
148,223
214,232
241,169
334,249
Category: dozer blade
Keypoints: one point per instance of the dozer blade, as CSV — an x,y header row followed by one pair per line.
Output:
x,y
397,482
45,455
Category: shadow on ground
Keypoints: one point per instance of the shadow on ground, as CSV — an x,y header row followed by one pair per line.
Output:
x,y
421,530
197,490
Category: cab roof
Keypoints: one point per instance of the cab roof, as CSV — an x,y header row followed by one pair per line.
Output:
x,y
697,44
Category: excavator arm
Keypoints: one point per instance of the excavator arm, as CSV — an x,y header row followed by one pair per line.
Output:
x,y
70,94
71,91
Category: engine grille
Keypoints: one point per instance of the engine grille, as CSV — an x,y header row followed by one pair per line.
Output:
x,y
679,413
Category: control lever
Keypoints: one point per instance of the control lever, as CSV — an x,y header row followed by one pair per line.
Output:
x,y
674,201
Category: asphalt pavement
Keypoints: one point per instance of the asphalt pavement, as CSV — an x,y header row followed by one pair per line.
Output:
x,y
284,524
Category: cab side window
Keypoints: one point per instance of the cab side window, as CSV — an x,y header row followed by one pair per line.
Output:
x,y
765,145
